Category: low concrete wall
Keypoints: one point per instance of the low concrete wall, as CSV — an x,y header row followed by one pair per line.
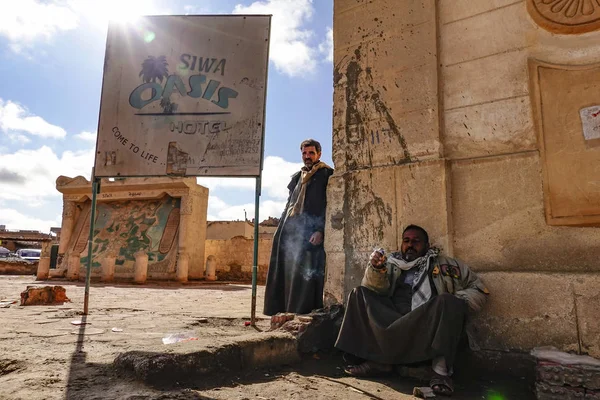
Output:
x,y
17,268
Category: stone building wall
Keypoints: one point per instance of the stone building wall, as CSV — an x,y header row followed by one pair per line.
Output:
x,y
222,230
234,258
438,121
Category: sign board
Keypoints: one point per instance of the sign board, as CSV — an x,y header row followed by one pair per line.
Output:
x,y
590,120
184,96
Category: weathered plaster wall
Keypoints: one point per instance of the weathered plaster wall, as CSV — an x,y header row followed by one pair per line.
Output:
x,y
18,268
433,125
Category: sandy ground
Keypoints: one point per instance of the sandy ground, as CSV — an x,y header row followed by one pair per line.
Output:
x,y
44,356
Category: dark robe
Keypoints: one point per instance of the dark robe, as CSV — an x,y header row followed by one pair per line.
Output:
x,y
385,330
297,268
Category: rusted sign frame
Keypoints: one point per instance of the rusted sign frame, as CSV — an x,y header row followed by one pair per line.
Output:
x,y
193,154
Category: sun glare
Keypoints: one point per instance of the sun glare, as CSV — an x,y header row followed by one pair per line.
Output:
x,y
100,13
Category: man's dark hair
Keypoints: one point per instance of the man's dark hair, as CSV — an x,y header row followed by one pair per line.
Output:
x,y
311,142
417,228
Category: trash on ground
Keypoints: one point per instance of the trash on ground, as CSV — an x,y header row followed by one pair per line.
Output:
x,y
356,390
423,392
6,304
178,337
80,322
117,330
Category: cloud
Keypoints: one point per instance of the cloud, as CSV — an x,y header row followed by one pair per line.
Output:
x,y
276,175
15,118
7,176
25,21
18,138
40,168
89,137
290,51
13,219
99,13
219,210
195,9
326,47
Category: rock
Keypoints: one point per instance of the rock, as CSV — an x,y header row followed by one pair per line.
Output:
x,y
317,330
47,295
7,366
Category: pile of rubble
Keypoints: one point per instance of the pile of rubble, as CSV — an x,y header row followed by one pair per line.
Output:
x,y
315,331
564,376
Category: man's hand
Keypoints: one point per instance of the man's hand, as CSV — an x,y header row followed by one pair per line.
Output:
x,y
377,260
316,238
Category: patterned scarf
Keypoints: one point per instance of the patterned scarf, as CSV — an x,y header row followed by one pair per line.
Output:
x,y
421,285
296,206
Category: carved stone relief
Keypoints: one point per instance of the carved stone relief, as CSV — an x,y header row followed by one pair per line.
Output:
x,y
566,16
565,100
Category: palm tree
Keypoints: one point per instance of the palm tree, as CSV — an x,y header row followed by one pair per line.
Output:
x,y
157,68
154,68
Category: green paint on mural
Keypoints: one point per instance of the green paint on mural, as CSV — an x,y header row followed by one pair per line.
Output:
x,y
124,228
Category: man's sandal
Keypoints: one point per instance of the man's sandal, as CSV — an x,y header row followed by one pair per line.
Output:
x,y
351,359
368,369
442,385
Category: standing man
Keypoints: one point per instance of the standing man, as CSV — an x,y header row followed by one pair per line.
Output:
x,y
297,267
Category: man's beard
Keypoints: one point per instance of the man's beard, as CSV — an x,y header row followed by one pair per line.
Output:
x,y
309,164
412,256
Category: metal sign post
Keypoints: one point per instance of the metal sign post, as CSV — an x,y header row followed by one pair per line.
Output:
x,y
255,254
88,272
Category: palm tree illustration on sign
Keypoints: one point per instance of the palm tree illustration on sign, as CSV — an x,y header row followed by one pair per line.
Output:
x,y
157,68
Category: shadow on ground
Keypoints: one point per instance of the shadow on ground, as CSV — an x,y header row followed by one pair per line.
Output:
x,y
92,381
88,380
329,367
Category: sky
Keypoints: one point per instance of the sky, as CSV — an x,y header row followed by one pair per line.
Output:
x,y
51,61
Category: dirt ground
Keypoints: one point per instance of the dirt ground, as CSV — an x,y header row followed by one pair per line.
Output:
x,y
44,356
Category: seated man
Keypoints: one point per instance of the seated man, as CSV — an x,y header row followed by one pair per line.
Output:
x,y
411,307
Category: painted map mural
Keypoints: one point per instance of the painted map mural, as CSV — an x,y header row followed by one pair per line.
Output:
x,y
125,227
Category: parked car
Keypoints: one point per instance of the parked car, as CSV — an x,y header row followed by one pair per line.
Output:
x,y
29,254
6,253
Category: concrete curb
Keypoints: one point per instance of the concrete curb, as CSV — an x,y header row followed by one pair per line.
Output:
x,y
184,361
